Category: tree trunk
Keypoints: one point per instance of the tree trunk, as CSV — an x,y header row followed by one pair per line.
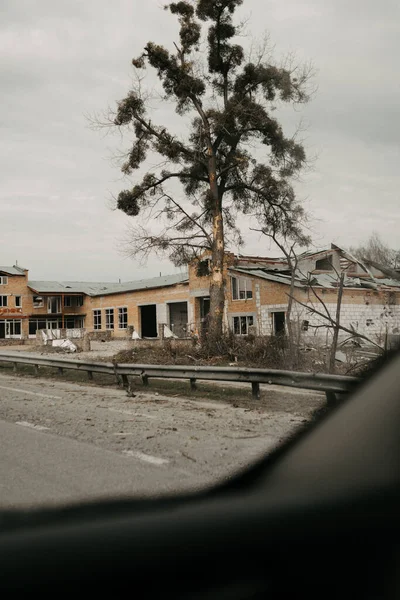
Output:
x,y
336,329
291,341
217,281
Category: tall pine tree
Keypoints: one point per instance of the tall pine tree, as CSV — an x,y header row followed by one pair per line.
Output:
x,y
234,156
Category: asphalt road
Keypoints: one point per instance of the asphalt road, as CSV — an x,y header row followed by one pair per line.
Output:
x,y
38,468
65,442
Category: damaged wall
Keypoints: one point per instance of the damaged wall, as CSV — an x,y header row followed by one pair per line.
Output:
x,y
373,320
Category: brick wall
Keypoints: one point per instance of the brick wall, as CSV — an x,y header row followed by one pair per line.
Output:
x,y
16,286
369,314
161,297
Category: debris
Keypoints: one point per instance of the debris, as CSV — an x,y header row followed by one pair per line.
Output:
x,y
193,358
168,333
187,456
66,345
340,356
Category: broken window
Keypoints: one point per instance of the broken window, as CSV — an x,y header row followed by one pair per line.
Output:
x,y
109,318
18,303
3,301
241,324
324,264
241,288
97,319
3,279
73,301
123,318
37,302
203,268
304,325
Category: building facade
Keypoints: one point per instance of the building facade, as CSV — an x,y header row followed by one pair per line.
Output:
x,y
257,293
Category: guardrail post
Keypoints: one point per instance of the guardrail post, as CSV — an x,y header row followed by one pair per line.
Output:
x,y
117,377
14,367
125,381
90,375
60,370
193,385
331,398
255,390
36,367
145,379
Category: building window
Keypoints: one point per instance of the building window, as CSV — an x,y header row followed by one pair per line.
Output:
x,y
241,288
324,264
18,302
241,324
38,302
305,325
13,328
35,324
3,301
3,279
54,304
97,319
73,323
109,318
73,301
43,323
203,268
123,318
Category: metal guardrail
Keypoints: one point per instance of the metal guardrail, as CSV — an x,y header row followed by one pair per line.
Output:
x,y
330,384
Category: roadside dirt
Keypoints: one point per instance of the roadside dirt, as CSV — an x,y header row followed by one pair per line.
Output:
x,y
207,439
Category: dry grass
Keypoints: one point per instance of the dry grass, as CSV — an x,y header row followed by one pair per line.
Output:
x,y
250,351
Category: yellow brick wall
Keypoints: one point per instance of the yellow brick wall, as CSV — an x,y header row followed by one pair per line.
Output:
x,y
132,300
16,286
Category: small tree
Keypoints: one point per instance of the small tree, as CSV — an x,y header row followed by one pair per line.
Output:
x,y
376,251
285,227
234,155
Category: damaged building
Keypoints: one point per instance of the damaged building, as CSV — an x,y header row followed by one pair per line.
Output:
x,y
257,294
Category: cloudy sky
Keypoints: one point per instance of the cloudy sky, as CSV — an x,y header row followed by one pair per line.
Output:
x,y
63,60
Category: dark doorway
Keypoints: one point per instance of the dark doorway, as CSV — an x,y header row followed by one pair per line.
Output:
x,y
204,312
2,330
148,321
178,318
204,307
279,323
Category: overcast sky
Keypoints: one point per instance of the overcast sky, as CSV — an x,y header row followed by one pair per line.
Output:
x,y
61,60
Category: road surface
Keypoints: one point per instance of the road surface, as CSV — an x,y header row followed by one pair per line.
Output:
x,y
63,442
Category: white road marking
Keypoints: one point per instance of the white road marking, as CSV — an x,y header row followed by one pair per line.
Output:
x,y
31,425
20,391
133,413
154,460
